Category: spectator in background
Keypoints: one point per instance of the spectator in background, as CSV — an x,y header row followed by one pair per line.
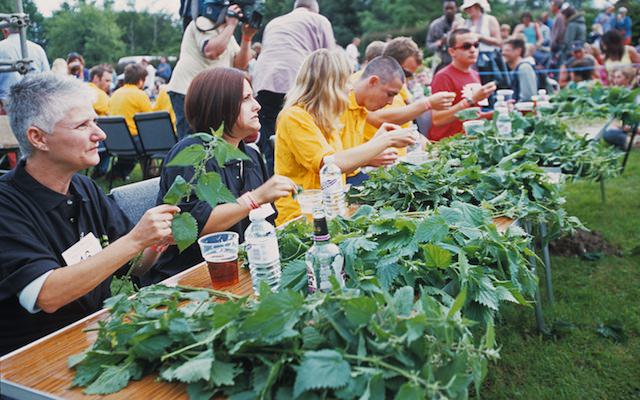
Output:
x,y
524,82
578,52
623,25
624,76
439,28
576,29
373,50
529,29
76,66
101,76
286,42
164,69
10,51
256,48
582,73
618,135
595,35
546,20
459,78
505,31
616,53
354,54
163,103
557,34
59,67
606,19
150,80
209,48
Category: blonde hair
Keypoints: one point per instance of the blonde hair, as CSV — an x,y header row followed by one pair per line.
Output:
x,y
321,88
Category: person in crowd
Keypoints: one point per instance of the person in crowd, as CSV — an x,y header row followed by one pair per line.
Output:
x,y
524,81
127,101
150,80
10,51
618,135
354,54
505,31
624,76
623,24
287,41
219,96
576,29
557,33
61,237
76,66
529,29
490,63
595,34
578,52
438,31
256,49
373,50
164,69
205,45
545,19
59,67
582,73
163,103
542,54
101,76
309,127
606,18
615,52
460,78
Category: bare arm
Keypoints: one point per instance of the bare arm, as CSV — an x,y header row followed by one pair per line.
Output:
x,y
67,284
494,33
633,55
402,115
241,60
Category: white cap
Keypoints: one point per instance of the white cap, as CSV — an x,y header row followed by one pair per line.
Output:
x,y
499,97
330,159
258,214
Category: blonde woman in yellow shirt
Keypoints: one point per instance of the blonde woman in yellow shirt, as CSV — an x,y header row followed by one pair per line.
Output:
x,y
308,127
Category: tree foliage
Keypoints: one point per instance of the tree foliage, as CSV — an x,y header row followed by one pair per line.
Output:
x,y
35,32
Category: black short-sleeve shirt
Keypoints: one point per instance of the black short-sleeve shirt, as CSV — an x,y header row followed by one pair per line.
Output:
x,y
238,176
36,226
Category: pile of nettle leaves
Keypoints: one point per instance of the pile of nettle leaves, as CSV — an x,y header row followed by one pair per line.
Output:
x,y
417,287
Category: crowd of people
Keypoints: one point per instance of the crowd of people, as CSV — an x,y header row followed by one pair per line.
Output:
x,y
287,104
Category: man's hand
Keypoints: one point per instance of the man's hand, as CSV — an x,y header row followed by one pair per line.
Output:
x,y
441,100
394,136
248,32
233,20
387,157
484,92
155,226
273,189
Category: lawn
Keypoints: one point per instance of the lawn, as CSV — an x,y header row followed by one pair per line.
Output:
x,y
575,361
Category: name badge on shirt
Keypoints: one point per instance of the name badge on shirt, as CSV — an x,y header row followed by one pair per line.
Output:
x,y
86,247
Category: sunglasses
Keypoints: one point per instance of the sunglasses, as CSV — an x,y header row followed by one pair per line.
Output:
x,y
467,46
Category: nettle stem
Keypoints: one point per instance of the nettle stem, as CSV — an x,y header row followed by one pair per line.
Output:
x,y
378,362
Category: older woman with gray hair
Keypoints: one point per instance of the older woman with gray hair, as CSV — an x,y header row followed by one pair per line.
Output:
x,y
61,238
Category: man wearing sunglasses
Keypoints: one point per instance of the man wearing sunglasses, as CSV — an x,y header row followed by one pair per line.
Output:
x,y
460,78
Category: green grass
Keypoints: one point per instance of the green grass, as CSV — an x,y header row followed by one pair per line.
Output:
x,y
576,362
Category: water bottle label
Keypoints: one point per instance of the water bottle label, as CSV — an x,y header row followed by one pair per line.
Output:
x,y
311,278
263,251
333,185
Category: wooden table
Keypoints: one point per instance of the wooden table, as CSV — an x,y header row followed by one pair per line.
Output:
x,y
39,370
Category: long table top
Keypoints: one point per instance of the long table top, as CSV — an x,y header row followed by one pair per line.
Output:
x,y
42,365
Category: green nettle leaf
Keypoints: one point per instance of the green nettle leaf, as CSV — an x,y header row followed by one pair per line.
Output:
x,y
458,302
275,317
76,359
403,301
198,368
185,230
178,190
431,229
225,152
359,310
222,373
468,114
410,391
436,256
321,369
189,156
113,379
211,189
151,348
205,137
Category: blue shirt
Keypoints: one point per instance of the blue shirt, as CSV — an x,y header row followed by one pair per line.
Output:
x,y
623,25
10,51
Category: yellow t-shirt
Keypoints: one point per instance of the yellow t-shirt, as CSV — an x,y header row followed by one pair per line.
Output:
x,y
300,149
128,101
163,103
353,121
101,105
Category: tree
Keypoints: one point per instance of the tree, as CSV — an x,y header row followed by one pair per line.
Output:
x,y
146,33
35,32
86,29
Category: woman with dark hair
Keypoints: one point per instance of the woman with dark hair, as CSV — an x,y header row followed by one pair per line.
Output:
x,y
616,53
219,96
529,29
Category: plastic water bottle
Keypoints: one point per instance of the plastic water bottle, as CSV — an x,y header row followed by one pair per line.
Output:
x,y
500,103
324,259
542,102
332,188
503,122
416,136
262,251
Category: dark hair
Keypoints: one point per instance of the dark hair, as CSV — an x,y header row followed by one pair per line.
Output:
x,y
99,70
612,45
401,48
584,70
526,14
214,97
517,44
134,73
386,68
75,56
569,12
453,36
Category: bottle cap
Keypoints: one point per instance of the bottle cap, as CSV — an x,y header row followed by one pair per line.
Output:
x,y
262,213
329,159
499,97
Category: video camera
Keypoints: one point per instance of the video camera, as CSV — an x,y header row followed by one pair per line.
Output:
x,y
216,11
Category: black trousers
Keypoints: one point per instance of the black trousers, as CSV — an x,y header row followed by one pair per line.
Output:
x,y
271,104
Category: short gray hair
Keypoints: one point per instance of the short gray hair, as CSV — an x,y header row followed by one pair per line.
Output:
x,y
42,100
384,67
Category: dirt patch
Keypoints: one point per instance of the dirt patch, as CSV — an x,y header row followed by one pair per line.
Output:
x,y
589,245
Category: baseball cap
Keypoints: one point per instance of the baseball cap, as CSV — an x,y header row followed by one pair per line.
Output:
x,y
577,45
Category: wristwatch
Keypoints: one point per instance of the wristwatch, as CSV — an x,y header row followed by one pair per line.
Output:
x,y
470,101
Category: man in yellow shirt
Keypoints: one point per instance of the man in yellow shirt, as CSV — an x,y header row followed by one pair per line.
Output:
x,y
100,81
127,101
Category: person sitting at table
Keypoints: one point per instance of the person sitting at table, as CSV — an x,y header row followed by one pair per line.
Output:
x,y
61,237
216,96
308,129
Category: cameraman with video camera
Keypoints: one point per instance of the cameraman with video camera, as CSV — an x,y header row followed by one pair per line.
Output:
x,y
208,42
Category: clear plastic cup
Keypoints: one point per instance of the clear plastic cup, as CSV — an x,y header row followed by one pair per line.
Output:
x,y
470,127
507,93
309,199
220,251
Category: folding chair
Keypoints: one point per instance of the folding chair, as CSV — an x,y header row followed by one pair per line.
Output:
x,y
156,135
119,142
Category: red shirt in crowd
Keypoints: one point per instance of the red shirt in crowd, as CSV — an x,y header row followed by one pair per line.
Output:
x,y
451,79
